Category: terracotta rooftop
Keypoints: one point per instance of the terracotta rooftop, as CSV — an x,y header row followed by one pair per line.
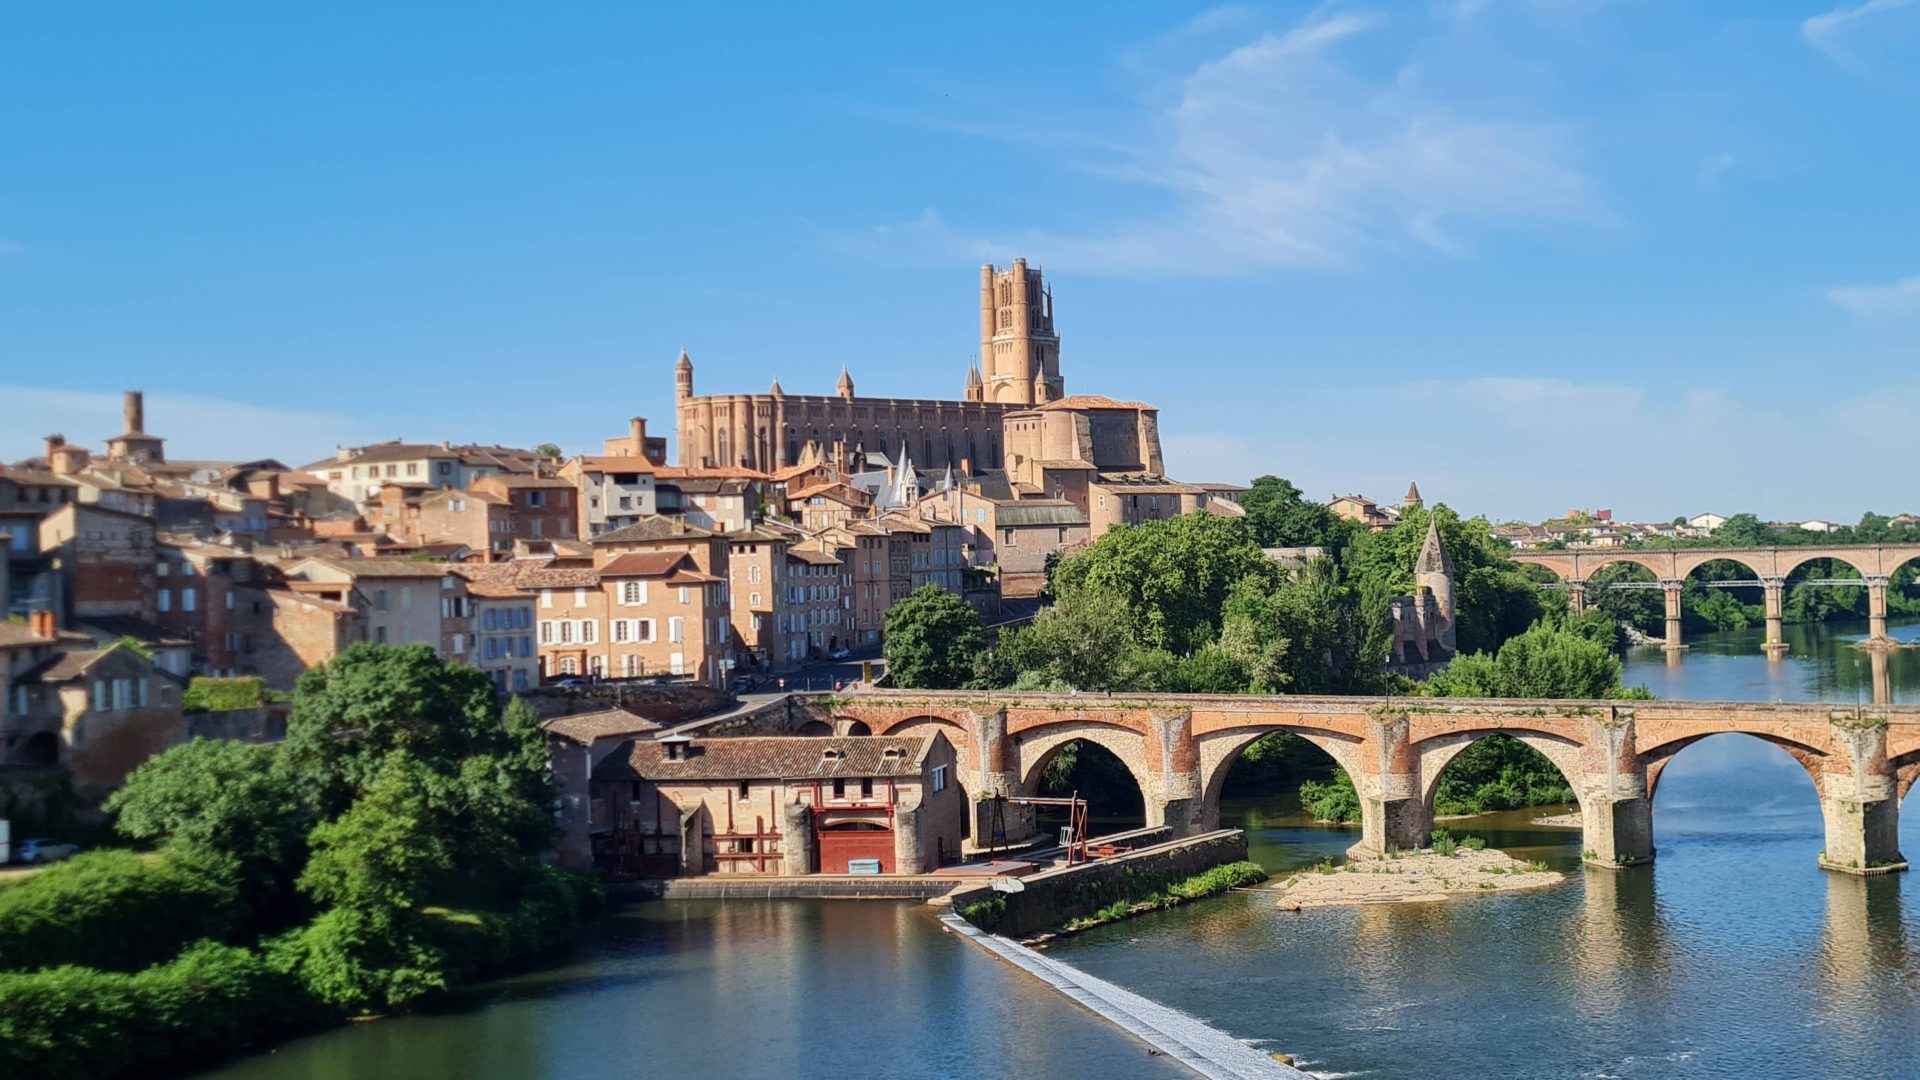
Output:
x,y
676,566
588,727
62,667
604,463
494,581
384,568
778,757
13,635
653,528
1091,401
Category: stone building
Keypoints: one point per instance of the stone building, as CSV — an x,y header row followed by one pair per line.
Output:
x,y
1424,628
1020,367
96,712
674,806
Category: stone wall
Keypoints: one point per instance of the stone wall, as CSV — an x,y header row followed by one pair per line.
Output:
x,y
1054,897
669,704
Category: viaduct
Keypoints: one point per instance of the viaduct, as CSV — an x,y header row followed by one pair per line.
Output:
x,y
1875,563
1179,747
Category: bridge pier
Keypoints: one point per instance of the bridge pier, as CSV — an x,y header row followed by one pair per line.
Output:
x,y
1393,811
1577,596
1670,589
1775,591
1616,801
1877,613
1174,785
1860,807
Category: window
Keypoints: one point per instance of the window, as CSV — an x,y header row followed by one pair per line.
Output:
x,y
546,631
536,498
519,680
160,569
406,598
99,695
380,600
620,629
643,629
444,468
629,666
596,667
579,598
458,506
676,629
413,468
753,600
546,597
633,592
165,600
939,778
522,618
566,631
589,630
486,619
186,600
569,666
839,788
526,645
233,642
459,644
866,787
685,594
229,599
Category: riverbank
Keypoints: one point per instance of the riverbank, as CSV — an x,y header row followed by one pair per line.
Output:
x,y
1412,877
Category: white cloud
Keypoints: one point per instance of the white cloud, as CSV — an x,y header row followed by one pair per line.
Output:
x,y
1829,32
195,427
1900,298
1315,146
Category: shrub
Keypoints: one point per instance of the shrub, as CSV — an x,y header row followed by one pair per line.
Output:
x,y
117,910
1334,800
1473,843
1444,843
78,1021
223,695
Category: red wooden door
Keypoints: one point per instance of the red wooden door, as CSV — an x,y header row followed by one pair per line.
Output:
x,y
841,843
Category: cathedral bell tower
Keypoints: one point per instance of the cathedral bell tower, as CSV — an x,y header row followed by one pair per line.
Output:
x,y
1019,349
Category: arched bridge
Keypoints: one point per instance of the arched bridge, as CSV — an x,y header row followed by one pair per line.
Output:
x,y
1875,563
1179,748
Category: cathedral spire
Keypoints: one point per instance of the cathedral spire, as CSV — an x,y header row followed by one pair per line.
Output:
x,y
845,386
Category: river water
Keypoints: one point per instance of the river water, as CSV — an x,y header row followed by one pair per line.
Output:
x,y
1731,956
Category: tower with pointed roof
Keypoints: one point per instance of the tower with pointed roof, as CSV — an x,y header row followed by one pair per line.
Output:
x,y
683,377
1413,497
1433,574
845,386
976,390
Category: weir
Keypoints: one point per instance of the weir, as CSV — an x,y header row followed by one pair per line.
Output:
x,y
1863,761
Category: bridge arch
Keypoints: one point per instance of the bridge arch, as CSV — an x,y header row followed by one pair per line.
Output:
x,y
1436,753
1218,750
1035,749
1658,756
1787,560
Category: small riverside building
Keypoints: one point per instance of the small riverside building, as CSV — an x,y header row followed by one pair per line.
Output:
x,y
677,806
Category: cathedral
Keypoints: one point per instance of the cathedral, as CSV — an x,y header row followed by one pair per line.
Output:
x,y
1019,370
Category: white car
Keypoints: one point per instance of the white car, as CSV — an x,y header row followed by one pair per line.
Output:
x,y
42,850
839,654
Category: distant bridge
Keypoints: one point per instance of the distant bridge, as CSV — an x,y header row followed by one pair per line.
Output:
x,y
1875,563
1179,749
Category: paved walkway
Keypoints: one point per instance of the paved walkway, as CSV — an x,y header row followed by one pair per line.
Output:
x,y
1204,1049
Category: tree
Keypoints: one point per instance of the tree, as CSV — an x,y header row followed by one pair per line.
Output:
x,y
1745,530
1493,598
1171,576
932,640
230,798
1548,661
547,451
1278,515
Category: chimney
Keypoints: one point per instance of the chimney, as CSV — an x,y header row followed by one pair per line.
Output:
x,y
135,410
637,431
41,624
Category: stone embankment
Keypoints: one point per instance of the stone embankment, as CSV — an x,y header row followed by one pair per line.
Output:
x,y
1412,877
1056,897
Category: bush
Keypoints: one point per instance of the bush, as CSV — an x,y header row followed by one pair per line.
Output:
x,y
362,961
1443,843
117,910
77,1021
1335,800
223,695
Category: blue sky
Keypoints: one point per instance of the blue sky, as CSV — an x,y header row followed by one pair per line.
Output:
x,y
1655,256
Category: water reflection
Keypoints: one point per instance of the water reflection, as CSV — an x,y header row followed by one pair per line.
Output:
x,y
1821,664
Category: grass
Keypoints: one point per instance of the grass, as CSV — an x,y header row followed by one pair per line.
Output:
x,y
1213,882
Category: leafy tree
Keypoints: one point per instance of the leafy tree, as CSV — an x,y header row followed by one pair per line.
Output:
x,y
1171,577
932,640
547,451
1548,661
1493,597
226,797
1744,530
1334,800
1278,515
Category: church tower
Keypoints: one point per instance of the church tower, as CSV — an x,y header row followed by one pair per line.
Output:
x,y
1018,347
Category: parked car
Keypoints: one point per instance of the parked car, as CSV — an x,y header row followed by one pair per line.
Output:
x,y
42,850
840,653
744,683
570,680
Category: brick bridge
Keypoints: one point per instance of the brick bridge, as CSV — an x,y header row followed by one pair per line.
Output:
x,y
1875,563
1179,748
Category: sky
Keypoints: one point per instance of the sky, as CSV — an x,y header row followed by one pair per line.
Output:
x,y
1654,256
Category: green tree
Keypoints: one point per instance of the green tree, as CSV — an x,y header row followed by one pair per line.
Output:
x,y
230,798
547,451
1548,661
932,640
1278,515
1171,576
1493,598
1745,530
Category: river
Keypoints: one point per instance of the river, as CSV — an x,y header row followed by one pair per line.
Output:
x,y
1731,956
